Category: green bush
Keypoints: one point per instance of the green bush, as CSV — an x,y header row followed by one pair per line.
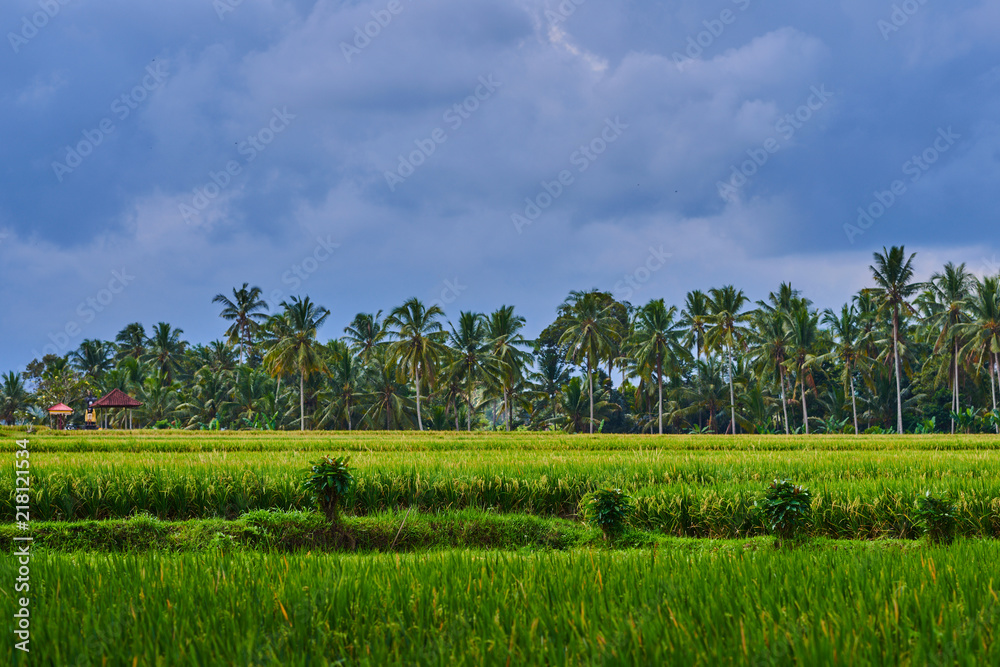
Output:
x,y
609,509
937,518
787,507
329,480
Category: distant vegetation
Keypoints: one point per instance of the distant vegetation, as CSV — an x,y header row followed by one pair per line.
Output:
x,y
901,356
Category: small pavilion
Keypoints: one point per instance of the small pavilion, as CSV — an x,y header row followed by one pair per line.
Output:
x,y
117,399
61,411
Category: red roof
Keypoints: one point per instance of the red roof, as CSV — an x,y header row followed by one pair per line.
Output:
x,y
117,398
61,407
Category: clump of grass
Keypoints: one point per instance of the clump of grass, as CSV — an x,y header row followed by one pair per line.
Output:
x,y
329,480
936,517
609,509
787,508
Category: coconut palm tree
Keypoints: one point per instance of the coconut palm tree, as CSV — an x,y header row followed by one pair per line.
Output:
x,y
419,342
893,275
93,358
803,330
656,343
244,310
591,330
503,332
296,347
726,329
166,349
768,337
132,341
364,333
551,375
945,300
14,397
388,403
848,348
982,331
472,360
695,316
342,397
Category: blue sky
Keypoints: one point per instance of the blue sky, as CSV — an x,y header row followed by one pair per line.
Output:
x,y
478,153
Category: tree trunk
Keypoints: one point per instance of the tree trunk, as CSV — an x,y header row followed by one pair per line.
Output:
x,y
302,399
732,393
954,392
993,368
348,405
854,405
590,377
805,409
420,422
895,354
784,403
506,418
659,379
468,415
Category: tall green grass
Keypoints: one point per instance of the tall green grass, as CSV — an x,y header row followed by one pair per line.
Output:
x,y
388,441
700,494
710,606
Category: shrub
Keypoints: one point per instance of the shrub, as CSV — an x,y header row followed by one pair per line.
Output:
x,y
330,480
786,507
937,517
609,509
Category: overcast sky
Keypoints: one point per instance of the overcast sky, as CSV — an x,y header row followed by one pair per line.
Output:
x,y
478,153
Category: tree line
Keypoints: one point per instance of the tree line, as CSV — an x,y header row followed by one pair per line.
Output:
x,y
900,356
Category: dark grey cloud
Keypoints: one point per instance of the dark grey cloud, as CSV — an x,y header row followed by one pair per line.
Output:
x,y
244,141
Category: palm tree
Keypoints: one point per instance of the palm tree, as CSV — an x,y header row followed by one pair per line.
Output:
x,y
132,341
657,338
849,345
419,342
503,332
803,332
695,316
893,274
573,404
388,403
472,359
946,297
296,347
769,337
983,329
364,333
14,397
345,383
244,311
551,375
93,358
166,349
590,332
726,329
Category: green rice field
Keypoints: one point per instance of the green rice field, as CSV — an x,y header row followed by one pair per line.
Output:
x,y
191,548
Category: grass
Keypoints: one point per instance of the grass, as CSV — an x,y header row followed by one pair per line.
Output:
x,y
707,604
